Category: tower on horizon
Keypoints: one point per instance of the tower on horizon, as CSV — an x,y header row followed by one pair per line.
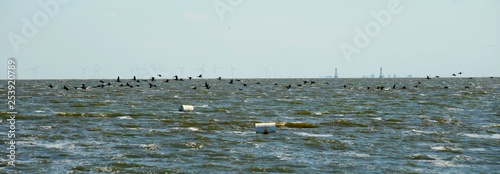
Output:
x,y
381,76
336,75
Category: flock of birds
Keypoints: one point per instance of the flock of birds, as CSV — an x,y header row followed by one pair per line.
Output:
x,y
151,83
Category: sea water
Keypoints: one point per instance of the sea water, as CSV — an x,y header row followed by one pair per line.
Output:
x,y
432,126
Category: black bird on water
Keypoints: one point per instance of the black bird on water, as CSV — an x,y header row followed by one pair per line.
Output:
x,y
152,78
289,86
176,77
117,79
200,76
65,88
190,78
231,81
50,86
220,78
101,81
428,78
207,86
82,87
167,81
151,85
134,78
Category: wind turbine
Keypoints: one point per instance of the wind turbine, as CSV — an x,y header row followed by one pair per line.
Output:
x,y
215,70
232,71
34,71
155,69
202,69
134,71
267,70
97,70
83,71
182,71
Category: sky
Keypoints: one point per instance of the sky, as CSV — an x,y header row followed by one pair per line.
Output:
x,y
95,39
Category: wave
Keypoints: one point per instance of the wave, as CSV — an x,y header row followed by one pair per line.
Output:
x,y
346,123
296,125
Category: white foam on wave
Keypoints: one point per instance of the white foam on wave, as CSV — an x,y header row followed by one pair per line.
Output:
x,y
423,132
492,136
39,111
455,109
441,148
46,127
442,163
356,154
125,118
478,149
317,113
312,135
193,129
59,145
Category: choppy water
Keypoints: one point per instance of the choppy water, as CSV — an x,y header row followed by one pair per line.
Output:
x,y
354,130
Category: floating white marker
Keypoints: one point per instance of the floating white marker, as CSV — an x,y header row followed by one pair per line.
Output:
x,y
265,128
186,108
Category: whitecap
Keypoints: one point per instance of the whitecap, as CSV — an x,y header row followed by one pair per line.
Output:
x,y
478,149
125,118
493,136
443,163
312,135
442,148
46,127
317,113
356,154
193,129
59,145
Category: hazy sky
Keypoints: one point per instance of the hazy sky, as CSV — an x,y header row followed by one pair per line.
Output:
x,y
71,39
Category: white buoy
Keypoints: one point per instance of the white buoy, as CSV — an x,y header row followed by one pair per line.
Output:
x,y
186,108
265,128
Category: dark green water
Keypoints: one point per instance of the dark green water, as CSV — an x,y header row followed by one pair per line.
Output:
x,y
428,129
